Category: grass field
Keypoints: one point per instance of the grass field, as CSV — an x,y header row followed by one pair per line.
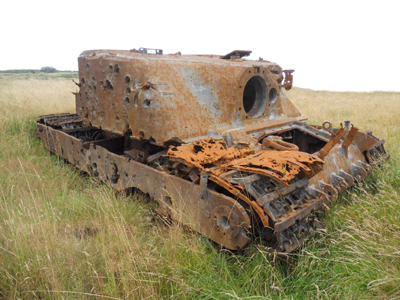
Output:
x,y
63,235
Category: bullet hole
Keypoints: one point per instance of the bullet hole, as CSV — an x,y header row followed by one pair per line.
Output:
x,y
94,168
111,68
116,69
128,90
146,103
102,84
115,174
87,67
93,79
83,81
126,100
127,79
198,148
141,134
109,85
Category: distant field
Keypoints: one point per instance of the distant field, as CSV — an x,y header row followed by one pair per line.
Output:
x,y
36,74
63,235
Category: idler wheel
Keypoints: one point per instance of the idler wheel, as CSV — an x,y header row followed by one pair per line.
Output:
x,y
226,221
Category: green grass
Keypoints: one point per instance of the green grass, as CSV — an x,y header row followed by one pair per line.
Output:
x,y
64,235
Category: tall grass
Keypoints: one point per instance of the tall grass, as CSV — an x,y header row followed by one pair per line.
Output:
x,y
64,235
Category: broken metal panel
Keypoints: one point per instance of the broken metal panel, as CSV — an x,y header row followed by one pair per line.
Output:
x,y
236,54
350,137
282,166
334,140
214,157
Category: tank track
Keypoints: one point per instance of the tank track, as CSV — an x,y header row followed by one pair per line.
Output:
x,y
62,121
293,211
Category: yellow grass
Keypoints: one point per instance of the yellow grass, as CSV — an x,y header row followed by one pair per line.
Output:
x,y
29,98
377,111
63,235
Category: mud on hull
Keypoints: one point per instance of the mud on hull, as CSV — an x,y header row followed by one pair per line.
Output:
x,y
228,198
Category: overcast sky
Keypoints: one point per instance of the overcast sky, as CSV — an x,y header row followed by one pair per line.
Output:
x,y
332,45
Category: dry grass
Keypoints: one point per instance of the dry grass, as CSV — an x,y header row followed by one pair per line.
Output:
x,y
377,111
63,235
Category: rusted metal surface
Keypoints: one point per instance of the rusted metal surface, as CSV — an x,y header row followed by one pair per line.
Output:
x,y
213,139
335,139
349,137
277,143
214,157
167,98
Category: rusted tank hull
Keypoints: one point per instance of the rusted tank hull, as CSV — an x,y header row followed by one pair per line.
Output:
x,y
213,139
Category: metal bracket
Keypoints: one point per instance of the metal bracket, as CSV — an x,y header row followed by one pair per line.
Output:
x,y
236,54
287,84
148,51
203,185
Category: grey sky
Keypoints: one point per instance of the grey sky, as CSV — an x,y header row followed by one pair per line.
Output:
x,y
332,45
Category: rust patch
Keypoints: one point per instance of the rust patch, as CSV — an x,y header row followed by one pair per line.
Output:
x,y
282,166
334,140
214,157
203,153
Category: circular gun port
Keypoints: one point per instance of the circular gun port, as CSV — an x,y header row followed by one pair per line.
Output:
x,y
255,96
